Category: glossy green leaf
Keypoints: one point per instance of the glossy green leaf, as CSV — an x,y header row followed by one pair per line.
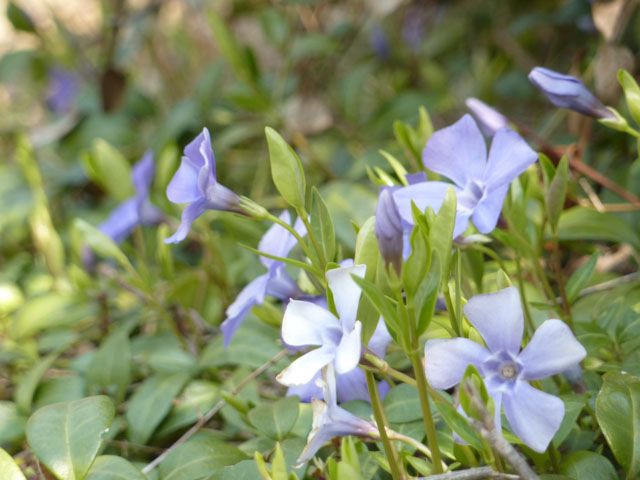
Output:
x,y
151,403
19,18
441,233
286,170
322,225
12,423
402,404
110,369
27,385
580,278
102,244
583,465
275,420
8,468
66,437
106,166
557,192
618,414
631,93
111,467
579,223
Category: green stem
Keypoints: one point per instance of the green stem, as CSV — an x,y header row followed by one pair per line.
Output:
x,y
383,367
459,290
557,266
453,317
427,417
378,412
527,313
310,235
293,232
393,435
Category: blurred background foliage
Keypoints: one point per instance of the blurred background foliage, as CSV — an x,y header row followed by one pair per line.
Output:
x,y
334,78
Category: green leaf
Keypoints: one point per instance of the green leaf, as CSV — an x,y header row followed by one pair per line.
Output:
x,y
151,403
230,49
278,465
631,93
102,244
580,278
402,404
441,233
19,18
579,223
111,467
322,225
26,388
8,468
582,464
286,170
110,368
66,437
385,306
457,422
557,192
199,458
275,420
108,168
12,424
418,262
618,414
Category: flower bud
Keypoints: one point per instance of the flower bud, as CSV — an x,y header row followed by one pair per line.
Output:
x,y
389,229
565,91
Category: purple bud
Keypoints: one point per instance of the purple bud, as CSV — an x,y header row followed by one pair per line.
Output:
x,y
389,229
489,119
565,91
63,89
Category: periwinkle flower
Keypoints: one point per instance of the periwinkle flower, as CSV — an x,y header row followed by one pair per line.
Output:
x,y
63,89
351,385
489,119
481,183
137,210
566,91
389,229
276,282
534,416
195,183
306,324
330,420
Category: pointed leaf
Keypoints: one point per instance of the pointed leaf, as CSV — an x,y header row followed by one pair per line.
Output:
x,y
286,170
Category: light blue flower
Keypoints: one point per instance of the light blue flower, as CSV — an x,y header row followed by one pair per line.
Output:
x,y
534,416
489,119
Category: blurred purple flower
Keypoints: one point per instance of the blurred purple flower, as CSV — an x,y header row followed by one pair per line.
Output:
x,y
566,91
481,184
379,42
137,210
351,385
195,183
533,415
489,119
330,420
389,229
305,323
276,282
63,89
413,27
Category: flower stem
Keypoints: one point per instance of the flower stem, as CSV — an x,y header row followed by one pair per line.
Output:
x,y
427,417
385,369
393,435
312,238
397,472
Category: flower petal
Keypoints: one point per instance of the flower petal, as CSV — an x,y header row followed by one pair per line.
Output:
x,y
252,294
304,368
183,187
425,194
380,339
458,152
305,323
498,318
122,221
220,197
552,349
142,174
534,416
278,241
489,119
485,216
189,214
352,385
447,360
309,391
199,150
461,223
349,350
509,156
346,293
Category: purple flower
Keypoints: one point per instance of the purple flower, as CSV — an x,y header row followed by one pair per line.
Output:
x,y
533,415
330,420
351,385
565,91
389,229
63,89
379,42
481,183
195,183
137,210
489,119
305,323
276,282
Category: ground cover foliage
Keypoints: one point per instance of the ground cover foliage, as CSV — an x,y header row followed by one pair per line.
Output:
x,y
323,240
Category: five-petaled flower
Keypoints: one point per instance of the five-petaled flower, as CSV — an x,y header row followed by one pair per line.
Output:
x,y
566,91
305,324
276,282
137,210
534,416
330,420
195,183
481,183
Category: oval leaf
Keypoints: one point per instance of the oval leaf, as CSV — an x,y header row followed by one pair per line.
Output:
x,y
286,170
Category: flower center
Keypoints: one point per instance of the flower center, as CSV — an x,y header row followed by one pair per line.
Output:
x,y
508,370
469,198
